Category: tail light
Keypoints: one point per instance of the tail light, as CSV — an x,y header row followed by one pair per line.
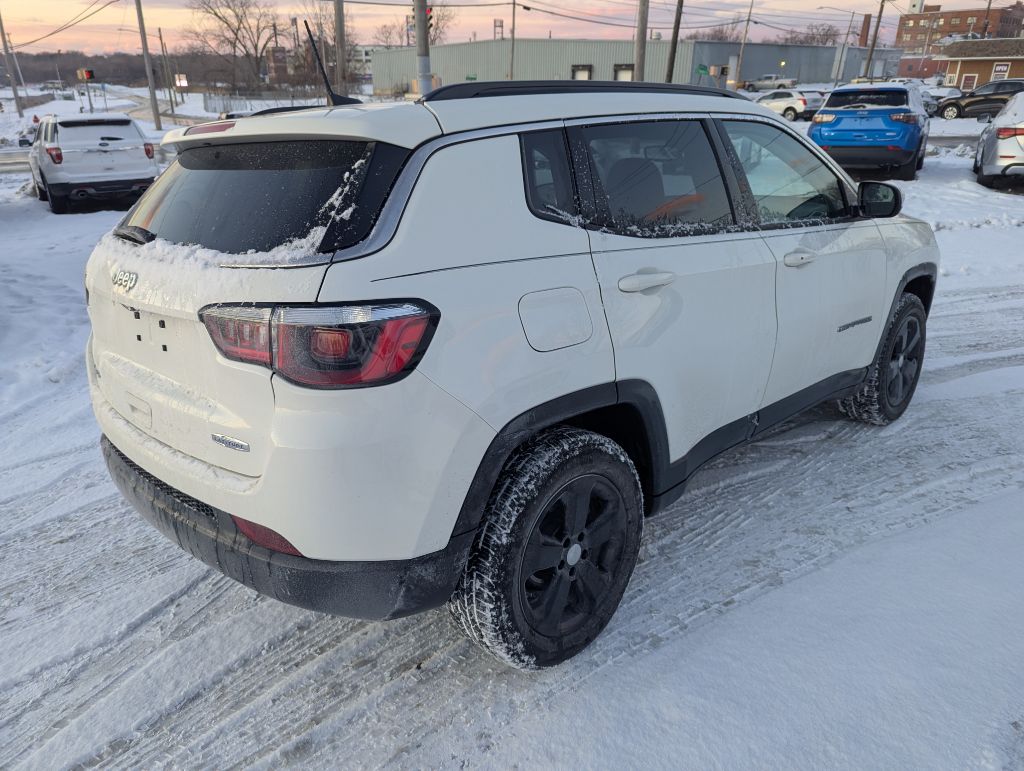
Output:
x,y
149,150
265,537
55,154
803,102
823,117
326,346
903,117
1010,132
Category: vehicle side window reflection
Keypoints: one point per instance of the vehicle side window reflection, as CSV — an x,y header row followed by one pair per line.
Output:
x,y
789,183
549,188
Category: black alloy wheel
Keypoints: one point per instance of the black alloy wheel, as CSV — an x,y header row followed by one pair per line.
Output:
x,y
572,555
904,362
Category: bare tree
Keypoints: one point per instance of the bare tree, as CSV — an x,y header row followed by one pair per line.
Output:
x,y
238,31
817,34
727,33
320,16
442,17
393,35
390,35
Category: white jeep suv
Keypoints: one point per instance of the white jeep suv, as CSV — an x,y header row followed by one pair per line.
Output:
x,y
374,359
101,155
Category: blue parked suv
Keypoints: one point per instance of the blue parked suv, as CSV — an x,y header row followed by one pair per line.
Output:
x,y
882,126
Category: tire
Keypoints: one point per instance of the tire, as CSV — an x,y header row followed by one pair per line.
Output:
x,y
559,541
920,159
907,171
878,401
789,114
951,111
59,204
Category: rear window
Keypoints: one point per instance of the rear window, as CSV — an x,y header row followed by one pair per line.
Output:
x,y
868,98
99,131
246,198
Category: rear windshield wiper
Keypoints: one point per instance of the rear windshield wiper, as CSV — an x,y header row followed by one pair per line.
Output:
x,y
134,233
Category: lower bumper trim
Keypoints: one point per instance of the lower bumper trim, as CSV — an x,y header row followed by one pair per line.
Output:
x,y
368,590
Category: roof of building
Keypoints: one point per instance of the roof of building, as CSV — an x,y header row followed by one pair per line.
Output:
x,y
408,124
992,48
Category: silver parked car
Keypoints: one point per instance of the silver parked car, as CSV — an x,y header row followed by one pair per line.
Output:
x,y
1000,152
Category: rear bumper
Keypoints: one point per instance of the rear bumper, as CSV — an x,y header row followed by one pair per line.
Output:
x,y
369,590
1011,169
109,188
857,157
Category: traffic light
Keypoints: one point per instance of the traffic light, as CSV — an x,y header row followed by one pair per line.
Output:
x,y
84,74
430,17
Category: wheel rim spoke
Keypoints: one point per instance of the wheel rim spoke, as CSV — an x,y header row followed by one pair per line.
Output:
x,y
542,553
591,584
577,500
553,603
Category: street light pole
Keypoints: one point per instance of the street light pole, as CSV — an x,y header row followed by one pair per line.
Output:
x,y
675,42
846,41
743,44
149,67
10,70
422,47
341,70
874,40
640,44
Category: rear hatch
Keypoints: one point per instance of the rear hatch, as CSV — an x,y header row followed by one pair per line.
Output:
x,y
272,206
104,148
866,117
813,99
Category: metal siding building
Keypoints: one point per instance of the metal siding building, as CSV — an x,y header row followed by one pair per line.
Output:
x,y
547,59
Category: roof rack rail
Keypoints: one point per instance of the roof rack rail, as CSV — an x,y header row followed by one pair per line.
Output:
x,y
475,90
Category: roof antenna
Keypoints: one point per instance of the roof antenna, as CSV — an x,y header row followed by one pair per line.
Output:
x,y
333,99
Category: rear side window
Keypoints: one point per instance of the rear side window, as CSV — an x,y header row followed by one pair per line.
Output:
x,y
246,198
657,179
549,187
789,183
868,98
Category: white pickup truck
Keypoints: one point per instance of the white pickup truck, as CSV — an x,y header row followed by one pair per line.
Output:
x,y
770,81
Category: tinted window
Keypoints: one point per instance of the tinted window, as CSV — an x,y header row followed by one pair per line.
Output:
x,y
549,189
788,181
1009,88
98,131
867,98
988,88
657,179
255,197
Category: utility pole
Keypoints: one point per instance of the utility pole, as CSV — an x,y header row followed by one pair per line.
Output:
x,y
17,65
149,67
675,42
422,47
640,45
743,44
10,70
512,56
984,27
874,41
167,70
341,70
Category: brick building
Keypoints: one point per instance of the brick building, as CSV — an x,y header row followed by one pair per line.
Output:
x,y
919,32
972,63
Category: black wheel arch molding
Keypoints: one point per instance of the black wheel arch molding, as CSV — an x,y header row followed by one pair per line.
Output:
x,y
920,280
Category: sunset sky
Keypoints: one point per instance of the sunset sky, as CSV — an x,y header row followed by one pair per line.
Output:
x,y
114,27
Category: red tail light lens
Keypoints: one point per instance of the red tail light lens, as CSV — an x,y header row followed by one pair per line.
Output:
x,y
265,537
55,154
903,117
1010,132
240,333
803,102
149,150
342,346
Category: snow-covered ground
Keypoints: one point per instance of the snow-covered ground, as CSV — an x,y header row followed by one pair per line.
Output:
x,y
834,595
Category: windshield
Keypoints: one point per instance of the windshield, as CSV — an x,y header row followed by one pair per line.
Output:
x,y
868,98
252,197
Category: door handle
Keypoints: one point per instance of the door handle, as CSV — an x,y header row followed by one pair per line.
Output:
x,y
798,258
638,282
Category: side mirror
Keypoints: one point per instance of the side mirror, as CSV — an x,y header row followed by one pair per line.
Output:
x,y
985,118
879,199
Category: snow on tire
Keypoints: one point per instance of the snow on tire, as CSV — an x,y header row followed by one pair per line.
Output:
x,y
892,377
557,547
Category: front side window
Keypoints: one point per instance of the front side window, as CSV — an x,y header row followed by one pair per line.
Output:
x,y
789,182
657,179
549,188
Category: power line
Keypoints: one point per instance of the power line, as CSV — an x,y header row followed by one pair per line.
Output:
x,y
69,24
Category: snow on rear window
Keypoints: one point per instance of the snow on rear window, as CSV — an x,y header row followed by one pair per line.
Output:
x,y
254,199
868,98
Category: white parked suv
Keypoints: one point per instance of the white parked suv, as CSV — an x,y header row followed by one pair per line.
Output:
x,y
376,359
101,155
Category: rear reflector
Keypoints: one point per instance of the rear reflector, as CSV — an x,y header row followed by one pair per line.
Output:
x,y
1010,132
209,128
55,154
265,537
326,346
